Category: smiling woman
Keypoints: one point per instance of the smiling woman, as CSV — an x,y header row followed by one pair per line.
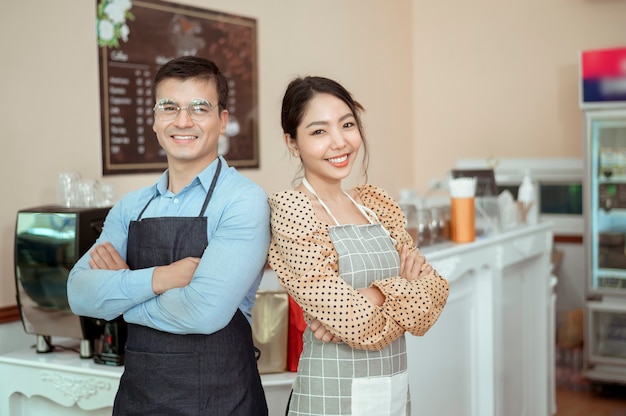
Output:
x,y
347,260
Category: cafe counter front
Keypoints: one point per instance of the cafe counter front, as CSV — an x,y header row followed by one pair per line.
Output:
x,y
490,353
492,350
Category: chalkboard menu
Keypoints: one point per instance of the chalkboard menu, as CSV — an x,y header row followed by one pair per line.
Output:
x,y
135,38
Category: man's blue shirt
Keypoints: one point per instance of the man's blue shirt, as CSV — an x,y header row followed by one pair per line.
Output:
x,y
227,277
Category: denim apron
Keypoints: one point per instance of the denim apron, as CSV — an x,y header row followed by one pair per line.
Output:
x,y
194,374
334,379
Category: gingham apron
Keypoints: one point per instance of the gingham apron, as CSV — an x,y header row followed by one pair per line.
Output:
x,y
334,379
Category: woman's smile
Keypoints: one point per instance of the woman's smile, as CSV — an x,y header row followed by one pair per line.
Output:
x,y
339,161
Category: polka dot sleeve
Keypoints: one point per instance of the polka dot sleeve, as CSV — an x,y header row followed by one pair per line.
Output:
x,y
414,305
306,263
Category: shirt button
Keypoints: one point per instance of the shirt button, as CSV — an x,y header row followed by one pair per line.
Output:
x,y
176,200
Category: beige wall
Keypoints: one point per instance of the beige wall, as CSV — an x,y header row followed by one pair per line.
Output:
x,y
440,80
500,78
50,83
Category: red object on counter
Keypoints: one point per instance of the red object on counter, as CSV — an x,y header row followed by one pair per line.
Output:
x,y
297,325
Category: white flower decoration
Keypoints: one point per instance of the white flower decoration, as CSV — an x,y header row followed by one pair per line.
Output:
x,y
112,15
115,13
106,30
124,32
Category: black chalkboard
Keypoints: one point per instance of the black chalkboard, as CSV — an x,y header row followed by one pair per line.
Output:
x,y
134,42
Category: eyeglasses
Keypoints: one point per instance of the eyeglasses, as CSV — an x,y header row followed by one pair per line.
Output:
x,y
168,110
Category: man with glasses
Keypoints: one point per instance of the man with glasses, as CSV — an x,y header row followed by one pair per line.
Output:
x,y
181,260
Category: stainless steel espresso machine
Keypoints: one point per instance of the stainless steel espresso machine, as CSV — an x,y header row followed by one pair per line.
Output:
x,y
48,242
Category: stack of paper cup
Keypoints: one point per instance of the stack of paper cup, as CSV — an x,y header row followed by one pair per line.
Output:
x,y
462,210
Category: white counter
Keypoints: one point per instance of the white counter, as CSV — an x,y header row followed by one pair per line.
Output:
x,y
61,383
491,351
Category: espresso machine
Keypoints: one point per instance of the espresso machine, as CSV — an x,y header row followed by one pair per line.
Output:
x,y
49,240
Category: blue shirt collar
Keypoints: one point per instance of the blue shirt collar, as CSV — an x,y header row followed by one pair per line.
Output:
x,y
204,178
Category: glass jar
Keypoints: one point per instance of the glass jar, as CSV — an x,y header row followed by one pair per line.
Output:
x,y
410,220
437,224
424,227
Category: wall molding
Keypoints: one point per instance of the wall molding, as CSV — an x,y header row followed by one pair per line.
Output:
x,y
9,314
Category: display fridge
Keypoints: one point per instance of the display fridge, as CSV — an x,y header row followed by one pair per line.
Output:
x,y
603,101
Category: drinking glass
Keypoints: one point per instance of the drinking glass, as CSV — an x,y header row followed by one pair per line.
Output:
x,y
67,188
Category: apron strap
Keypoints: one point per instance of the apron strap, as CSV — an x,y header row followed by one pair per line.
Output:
x,y
206,200
212,187
146,206
363,209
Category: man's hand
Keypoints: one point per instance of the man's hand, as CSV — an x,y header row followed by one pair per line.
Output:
x,y
177,274
105,257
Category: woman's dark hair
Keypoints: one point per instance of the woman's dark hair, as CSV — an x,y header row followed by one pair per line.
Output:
x,y
194,67
297,96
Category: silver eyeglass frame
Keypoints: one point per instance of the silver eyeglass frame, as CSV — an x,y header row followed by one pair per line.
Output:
x,y
193,103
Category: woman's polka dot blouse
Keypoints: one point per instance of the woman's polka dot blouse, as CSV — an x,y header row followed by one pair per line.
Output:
x,y
306,263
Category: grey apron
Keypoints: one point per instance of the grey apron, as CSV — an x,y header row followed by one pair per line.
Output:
x,y
169,374
356,382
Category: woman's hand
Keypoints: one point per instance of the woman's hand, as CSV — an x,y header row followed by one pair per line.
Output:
x,y
321,333
412,264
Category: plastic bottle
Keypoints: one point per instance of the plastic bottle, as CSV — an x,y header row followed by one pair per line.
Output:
x,y
527,197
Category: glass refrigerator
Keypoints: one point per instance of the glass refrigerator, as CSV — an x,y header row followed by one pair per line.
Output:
x,y
603,100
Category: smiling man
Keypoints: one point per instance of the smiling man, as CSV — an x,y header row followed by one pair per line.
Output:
x,y
170,260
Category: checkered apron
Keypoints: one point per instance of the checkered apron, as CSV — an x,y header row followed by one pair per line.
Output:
x,y
334,379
